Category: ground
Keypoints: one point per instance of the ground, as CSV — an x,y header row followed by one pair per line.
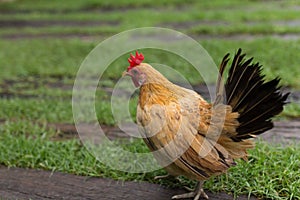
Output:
x,y
38,184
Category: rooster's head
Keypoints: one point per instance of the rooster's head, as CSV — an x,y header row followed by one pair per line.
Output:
x,y
142,73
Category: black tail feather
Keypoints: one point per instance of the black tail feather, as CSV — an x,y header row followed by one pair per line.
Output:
x,y
256,100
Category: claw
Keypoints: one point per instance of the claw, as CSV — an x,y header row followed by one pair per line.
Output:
x,y
162,177
184,196
196,194
188,189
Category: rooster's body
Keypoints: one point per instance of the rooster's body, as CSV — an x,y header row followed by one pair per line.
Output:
x,y
198,138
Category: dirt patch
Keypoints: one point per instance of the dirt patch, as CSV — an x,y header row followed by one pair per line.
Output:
x,y
284,132
47,23
14,88
96,8
101,36
34,82
10,95
234,36
283,23
82,36
191,24
90,8
246,37
67,11
69,131
64,131
17,183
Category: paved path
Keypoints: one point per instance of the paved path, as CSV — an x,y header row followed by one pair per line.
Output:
x,y
17,183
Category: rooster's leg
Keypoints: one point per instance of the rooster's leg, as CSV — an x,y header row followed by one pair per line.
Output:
x,y
196,194
168,176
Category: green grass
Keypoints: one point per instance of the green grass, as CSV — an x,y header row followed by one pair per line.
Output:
x,y
47,111
233,17
62,58
292,110
272,171
42,57
37,76
81,4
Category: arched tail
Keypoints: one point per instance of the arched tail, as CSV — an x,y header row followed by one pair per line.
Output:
x,y
247,92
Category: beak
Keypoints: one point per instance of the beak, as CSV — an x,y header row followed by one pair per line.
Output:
x,y
124,73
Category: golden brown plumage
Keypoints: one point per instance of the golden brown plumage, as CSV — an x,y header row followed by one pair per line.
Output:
x,y
198,138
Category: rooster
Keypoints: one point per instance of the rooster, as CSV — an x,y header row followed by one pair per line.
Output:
x,y
198,138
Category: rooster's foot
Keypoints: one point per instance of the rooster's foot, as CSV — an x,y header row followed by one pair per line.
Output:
x,y
196,194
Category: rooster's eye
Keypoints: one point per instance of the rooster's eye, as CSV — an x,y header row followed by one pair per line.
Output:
x,y
134,72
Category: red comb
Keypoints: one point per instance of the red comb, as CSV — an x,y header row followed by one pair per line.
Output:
x,y
135,60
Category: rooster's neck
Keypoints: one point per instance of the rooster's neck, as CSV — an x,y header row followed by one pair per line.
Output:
x,y
153,93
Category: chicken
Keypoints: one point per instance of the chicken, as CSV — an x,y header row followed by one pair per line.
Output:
x,y
198,139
